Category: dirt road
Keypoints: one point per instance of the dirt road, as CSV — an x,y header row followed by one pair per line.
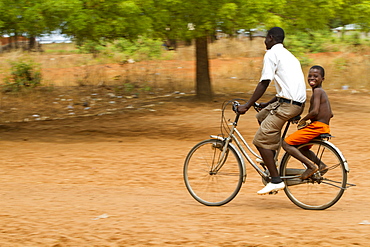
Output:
x,y
116,180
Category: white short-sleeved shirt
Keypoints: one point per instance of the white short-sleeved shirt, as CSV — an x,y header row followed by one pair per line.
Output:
x,y
283,67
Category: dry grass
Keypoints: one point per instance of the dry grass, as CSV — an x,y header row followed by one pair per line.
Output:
x,y
237,59
77,78
345,69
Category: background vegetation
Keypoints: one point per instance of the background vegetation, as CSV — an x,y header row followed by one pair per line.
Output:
x,y
124,50
94,24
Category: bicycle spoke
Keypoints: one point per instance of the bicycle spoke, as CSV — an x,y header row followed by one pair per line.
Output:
x,y
334,166
333,184
228,173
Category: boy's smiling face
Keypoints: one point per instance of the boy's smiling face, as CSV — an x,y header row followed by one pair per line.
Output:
x,y
315,78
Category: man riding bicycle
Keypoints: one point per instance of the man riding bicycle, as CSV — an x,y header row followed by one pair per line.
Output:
x,y
284,68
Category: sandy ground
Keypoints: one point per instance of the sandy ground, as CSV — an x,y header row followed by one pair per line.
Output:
x,y
116,180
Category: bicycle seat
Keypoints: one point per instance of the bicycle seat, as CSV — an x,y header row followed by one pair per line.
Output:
x,y
324,136
295,119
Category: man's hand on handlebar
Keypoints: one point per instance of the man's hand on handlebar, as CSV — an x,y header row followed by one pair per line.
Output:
x,y
257,106
243,108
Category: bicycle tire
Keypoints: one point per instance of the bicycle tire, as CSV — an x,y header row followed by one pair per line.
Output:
x,y
207,188
321,191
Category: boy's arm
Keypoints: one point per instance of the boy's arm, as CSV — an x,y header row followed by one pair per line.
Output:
x,y
315,105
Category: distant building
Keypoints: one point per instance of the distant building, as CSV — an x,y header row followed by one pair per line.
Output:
x,y
349,27
54,37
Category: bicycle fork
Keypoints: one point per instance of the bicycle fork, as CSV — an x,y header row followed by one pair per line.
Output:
x,y
219,160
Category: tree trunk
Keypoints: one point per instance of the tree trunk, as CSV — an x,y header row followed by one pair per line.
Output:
x,y
188,42
172,44
13,42
32,43
203,80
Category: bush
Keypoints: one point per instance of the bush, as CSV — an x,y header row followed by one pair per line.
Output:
x,y
354,39
142,49
312,42
90,47
23,74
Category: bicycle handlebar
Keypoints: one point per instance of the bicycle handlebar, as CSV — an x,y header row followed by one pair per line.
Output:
x,y
256,106
235,106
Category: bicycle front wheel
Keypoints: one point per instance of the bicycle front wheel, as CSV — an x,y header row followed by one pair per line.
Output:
x,y
205,184
323,189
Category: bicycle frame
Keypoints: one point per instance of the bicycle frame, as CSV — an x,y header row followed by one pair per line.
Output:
x,y
235,136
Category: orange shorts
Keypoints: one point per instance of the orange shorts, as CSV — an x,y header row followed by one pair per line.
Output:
x,y
307,133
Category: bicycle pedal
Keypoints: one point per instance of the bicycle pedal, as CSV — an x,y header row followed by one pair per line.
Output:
x,y
273,192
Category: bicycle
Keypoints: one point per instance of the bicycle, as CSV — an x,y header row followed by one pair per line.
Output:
x,y
215,169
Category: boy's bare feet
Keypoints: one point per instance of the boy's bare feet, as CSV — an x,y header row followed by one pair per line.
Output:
x,y
309,172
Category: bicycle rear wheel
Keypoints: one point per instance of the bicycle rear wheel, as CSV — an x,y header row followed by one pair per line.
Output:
x,y
323,189
209,187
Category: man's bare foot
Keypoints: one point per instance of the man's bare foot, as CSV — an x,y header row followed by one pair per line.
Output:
x,y
323,169
309,172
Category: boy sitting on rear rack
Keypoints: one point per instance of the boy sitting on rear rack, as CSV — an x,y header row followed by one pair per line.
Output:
x,y
320,114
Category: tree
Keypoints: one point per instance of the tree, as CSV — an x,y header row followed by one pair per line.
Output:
x,y
10,16
199,20
93,20
28,18
32,20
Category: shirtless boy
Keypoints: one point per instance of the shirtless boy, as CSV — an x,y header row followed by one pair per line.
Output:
x,y
319,114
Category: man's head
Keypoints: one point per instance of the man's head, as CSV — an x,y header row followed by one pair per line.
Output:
x,y
316,75
274,36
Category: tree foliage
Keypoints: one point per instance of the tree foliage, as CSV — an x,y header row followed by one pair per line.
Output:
x,y
309,15
363,14
100,20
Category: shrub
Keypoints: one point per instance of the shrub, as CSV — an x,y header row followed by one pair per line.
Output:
x,y
309,42
142,49
23,74
92,47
